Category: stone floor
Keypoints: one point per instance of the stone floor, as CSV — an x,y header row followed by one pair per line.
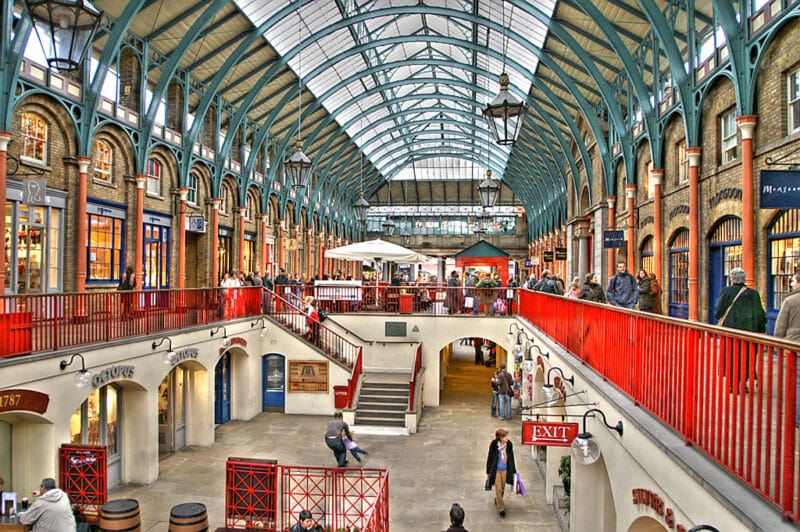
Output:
x,y
443,463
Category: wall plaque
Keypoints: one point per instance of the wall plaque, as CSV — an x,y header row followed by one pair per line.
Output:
x,y
308,376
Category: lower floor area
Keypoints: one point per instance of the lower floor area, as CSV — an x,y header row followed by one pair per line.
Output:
x,y
443,463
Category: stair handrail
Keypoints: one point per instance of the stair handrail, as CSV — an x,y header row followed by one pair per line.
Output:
x,y
413,384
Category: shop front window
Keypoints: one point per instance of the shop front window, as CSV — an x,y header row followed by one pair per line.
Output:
x,y
105,248
784,256
102,161
96,421
646,254
30,249
153,177
679,274
249,255
156,257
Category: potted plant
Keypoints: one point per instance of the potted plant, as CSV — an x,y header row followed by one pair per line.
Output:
x,y
565,471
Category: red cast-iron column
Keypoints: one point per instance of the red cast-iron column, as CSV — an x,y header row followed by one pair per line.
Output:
x,y
183,194
215,203
657,175
693,154
747,125
630,195
611,201
264,255
242,218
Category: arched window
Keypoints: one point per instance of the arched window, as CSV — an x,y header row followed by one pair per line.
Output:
x,y
102,161
679,274
34,138
724,254
191,185
646,255
154,177
784,256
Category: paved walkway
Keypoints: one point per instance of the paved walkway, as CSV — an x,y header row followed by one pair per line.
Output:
x,y
443,463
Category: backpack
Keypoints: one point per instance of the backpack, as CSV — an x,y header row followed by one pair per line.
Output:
x,y
322,315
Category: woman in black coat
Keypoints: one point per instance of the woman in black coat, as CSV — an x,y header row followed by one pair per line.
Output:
x,y
501,453
591,290
645,291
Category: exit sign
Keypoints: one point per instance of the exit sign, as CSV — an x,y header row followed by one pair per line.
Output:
x,y
548,433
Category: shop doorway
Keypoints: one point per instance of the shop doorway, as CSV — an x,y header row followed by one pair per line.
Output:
x,y
97,422
222,390
724,254
193,261
172,412
274,383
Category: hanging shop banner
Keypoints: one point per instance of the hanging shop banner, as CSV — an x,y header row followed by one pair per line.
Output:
x,y
195,224
548,433
548,255
33,191
561,253
613,239
528,263
780,189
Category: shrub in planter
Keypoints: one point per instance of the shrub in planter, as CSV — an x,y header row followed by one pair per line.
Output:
x,y
565,472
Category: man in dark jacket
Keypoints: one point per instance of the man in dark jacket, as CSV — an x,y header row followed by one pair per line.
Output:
x,y
547,284
739,307
500,467
623,290
281,285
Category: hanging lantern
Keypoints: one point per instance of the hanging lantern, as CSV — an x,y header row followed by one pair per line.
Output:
x,y
504,114
298,167
489,191
360,208
65,29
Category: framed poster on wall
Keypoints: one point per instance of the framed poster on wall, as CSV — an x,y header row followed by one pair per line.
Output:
x,y
308,376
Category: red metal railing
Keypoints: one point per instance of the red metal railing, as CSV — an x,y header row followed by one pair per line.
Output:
x,y
729,393
263,495
82,476
413,384
41,323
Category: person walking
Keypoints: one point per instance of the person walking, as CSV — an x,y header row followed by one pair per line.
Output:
x,y
592,290
456,519
623,290
477,343
500,467
452,301
739,307
495,393
127,284
788,326
645,284
505,389
51,511
338,428
656,287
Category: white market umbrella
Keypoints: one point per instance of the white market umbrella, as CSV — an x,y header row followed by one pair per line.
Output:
x,y
377,250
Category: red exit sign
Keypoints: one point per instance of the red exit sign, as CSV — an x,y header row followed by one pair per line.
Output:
x,y
548,433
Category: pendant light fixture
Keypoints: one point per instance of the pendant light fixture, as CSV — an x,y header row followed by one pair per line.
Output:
x,y
298,166
504,114
361,206
65,29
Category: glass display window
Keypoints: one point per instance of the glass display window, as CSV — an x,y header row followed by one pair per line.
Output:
x,y
96,421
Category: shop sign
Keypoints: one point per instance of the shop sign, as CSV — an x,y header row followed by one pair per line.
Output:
x,y
548,433
643,497
183,354
11,400
561,253
780,189
528,263
308,376
112,373
548,255
33,191
195,224
613,239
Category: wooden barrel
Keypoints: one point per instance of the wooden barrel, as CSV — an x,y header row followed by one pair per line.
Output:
x,y
120,515
188,517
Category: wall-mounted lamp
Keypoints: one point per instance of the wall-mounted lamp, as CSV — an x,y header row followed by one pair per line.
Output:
x,y
698,528
225,342
537,348
584,448
550,394
510,335
263,321
169,355
83,377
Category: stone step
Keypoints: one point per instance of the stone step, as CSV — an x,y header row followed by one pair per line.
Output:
x,y
384,393
373,405
380,421
385,385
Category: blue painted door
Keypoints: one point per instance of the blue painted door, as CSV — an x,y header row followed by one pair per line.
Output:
x,y
716,279
274,382
222,390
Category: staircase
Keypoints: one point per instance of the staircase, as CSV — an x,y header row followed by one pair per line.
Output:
x,y
383,400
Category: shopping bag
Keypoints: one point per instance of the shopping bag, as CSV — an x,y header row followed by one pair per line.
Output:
x,y
518,487
469,302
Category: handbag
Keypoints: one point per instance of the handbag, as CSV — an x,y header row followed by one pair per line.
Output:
x,y
488,484
519,487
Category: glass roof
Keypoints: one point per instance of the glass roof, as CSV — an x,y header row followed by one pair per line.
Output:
x,y
409,74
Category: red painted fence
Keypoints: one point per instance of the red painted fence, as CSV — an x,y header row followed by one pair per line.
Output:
x,y
264,495
730,394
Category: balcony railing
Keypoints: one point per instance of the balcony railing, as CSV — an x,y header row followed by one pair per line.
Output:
x,y
729,393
